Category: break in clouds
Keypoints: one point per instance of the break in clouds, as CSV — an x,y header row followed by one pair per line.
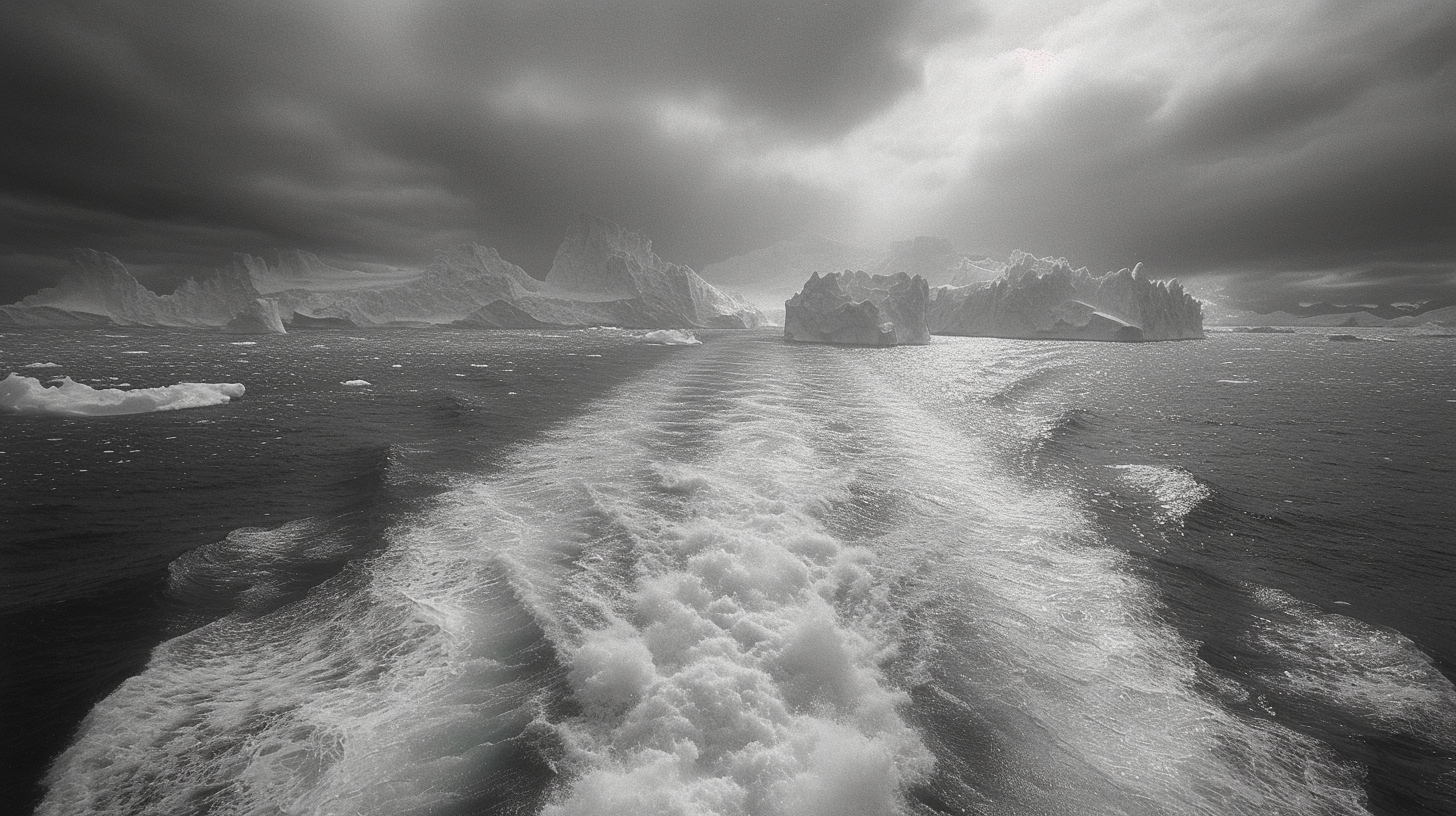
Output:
x,y
1284,152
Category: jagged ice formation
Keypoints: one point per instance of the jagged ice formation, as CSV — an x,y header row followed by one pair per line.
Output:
x,y
857,308
1044,298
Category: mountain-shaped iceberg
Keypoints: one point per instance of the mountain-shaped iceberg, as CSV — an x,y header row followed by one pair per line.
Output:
x,y
859,309
602,263
603,276
1045,298
101,292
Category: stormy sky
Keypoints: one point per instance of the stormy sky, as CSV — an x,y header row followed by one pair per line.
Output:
x,y
1304,149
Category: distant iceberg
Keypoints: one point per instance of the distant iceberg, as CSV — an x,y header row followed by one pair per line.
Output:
x,y
101,292
603,275
1045,298
859,309
70,398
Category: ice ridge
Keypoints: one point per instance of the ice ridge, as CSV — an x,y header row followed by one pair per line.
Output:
x,y
1045,298
859,309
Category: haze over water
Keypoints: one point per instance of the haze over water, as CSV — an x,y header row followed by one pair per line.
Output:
x,y
570,572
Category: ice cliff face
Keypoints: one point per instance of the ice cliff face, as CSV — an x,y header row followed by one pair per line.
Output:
x,y
1044,298
856,308
101,292
603,276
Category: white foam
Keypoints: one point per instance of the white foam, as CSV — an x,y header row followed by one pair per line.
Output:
x,y
1370,674
671,337
70,398
1176,490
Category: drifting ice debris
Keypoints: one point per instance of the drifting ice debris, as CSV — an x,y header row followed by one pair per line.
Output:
x,y
1044,298
859,309
70,398
356,383
671,337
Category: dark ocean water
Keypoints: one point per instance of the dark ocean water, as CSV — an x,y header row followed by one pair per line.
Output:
x,y
572,572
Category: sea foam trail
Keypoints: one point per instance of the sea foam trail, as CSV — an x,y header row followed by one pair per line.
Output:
x,y
761,579
644,601
70,398
1043,676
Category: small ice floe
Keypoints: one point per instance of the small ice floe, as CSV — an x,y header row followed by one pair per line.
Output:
x,y
1236,382
136,352
671,337
396,365
70,398
357,383
480,365
243,343
41,365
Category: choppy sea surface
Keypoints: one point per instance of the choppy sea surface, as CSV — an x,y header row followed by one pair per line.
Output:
x,y
576,573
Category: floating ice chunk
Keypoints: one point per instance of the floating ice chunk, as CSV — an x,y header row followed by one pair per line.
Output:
x,y
671,337
41,365
356,383
243,343
70,398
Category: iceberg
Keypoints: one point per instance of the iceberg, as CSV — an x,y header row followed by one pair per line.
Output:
x,y
1046,299
27,395
260,316
603,275
611,277
859,309
101,292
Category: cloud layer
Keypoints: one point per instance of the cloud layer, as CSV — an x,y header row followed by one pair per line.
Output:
x,y
1248,139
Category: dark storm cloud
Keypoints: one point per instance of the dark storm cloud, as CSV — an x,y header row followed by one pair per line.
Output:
x,y
384,130
1275,141
1320,138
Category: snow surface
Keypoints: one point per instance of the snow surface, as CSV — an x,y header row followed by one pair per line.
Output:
x,y
70,398
859,309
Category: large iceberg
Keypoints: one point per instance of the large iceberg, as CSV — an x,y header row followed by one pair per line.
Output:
x,y
611,276
101,292
859,309
1046,299
603,275
769,276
